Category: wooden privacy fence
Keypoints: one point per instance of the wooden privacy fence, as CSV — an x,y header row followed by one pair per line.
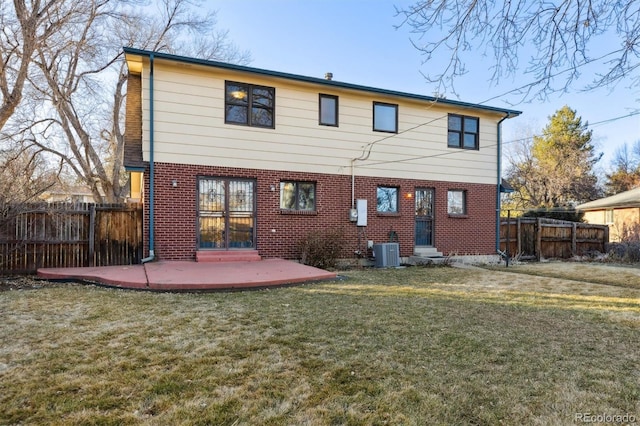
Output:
x,y
58,235
536,238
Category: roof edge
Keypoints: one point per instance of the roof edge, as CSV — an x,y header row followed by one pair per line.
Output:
x,y
134,168
625,199
315,80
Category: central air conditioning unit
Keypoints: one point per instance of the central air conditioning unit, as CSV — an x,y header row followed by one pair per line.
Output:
x,y
387,255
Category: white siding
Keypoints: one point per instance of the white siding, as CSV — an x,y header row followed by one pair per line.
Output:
x,y
189,128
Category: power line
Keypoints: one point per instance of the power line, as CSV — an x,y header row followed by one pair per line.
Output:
x,y
540,80
442,154
588,125
614,119
369,147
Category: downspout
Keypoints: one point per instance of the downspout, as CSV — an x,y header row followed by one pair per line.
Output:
x,y
499,183
151,167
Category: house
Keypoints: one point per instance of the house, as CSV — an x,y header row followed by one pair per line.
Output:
x,y
235,158
621,212
62,193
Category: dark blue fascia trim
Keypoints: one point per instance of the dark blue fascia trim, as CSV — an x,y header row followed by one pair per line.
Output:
x,y
134,169
506,190
315,80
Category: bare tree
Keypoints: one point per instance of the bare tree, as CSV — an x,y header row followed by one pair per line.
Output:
x,y
563,37
24,25
76,91
626,170
24,175
520,165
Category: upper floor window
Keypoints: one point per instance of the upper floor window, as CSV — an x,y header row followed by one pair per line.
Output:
x,y
385,117
249,104
387,199
463,132
328,110
298,195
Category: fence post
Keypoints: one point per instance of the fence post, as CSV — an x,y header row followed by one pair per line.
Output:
x,y
519,236
92,233
574,237
539,239
508,236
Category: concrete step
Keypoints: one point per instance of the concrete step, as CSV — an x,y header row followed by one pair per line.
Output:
x,y
427,252
227,256
421,260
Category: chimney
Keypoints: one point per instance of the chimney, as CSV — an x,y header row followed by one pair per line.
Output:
x,y
328,76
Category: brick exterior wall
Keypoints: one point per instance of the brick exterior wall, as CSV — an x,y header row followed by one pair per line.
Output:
x,y
277,232
133,123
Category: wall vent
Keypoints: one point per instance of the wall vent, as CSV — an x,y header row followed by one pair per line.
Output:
x,y
387,255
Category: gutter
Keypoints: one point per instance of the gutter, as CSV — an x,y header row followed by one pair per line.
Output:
x,y
499,182
151,168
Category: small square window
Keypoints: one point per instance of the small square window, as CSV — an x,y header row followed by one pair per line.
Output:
x,y
457,202
328,110
463,132
385,117
387,199
298,196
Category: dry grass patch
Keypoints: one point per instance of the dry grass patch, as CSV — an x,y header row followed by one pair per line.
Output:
x,y
600,273
406,346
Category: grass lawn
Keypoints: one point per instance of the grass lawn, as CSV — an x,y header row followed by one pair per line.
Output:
x,y
524,345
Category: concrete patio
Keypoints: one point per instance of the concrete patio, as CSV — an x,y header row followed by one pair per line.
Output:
x,y
194,276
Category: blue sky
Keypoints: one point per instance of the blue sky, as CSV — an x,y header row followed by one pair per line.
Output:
x,y
357,42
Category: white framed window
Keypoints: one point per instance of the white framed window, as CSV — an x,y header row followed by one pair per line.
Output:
x,y
387,199
608,216
457,202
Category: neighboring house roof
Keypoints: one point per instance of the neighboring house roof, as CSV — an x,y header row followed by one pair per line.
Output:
x,y
629,198
315,80
506,187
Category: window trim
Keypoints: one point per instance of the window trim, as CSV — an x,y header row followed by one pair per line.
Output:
x,y
465,207
385,104
249,105
461,133
336,99
296,209
397,201
609,216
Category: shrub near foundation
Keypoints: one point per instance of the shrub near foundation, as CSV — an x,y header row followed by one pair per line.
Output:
x,y
628,249
322,249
